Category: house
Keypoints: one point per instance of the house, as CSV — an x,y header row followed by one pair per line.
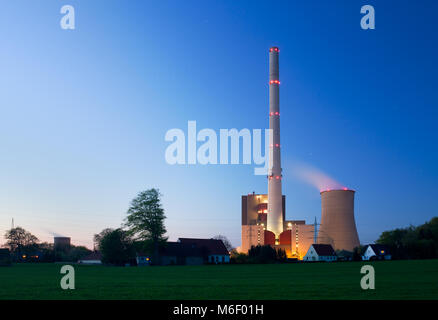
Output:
x,y
320,252
344,255
173,253
5,257
181,254
93,258
142,259
376,252
189,251
213,250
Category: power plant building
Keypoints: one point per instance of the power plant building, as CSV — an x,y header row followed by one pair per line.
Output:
x,y
61,243
264,215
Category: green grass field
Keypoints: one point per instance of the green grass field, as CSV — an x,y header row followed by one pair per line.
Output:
x,y
394,280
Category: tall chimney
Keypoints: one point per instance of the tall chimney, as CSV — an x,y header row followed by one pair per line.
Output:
x,y
275,207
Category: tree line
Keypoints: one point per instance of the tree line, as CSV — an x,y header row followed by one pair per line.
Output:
x,y
419,242
142,230
25,247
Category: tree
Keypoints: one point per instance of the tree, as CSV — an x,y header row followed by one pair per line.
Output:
x,y
281,255
226,242
116,247
358,252
262,254
18,238
98,237
145,221
77,252
238,257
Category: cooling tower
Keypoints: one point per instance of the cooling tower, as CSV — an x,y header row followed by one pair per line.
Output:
x,y
338,226
61,242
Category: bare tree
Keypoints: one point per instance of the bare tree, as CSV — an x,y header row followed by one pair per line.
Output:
x,y
226,242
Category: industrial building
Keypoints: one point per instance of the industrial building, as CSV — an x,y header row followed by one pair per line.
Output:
x,y
264,215
61,243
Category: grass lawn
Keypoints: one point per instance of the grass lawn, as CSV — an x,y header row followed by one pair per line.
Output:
x,y
415,279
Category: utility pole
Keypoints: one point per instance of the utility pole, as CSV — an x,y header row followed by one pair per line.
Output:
x,y
315,234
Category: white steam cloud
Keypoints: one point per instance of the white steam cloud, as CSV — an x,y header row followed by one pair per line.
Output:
x,y
52,233
315,177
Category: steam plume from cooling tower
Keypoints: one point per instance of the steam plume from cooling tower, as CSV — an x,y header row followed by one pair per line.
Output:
x,y
314,177
52,233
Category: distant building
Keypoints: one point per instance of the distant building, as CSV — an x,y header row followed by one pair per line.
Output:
x,y
93,258
376,252
344,255
61,243
212,250
320,252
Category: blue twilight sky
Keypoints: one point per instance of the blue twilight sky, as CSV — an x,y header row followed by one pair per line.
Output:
x,y
84,112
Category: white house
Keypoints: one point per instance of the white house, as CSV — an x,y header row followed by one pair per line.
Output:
x,y
376,252
320,252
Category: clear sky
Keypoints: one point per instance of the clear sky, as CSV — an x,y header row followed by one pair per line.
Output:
x,y
84,112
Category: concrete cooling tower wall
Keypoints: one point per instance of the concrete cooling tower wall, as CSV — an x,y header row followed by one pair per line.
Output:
x,y
338,226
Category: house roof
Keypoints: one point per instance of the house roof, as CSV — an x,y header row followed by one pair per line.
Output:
x,y
324,250
180,249
210,246
379,249
96,255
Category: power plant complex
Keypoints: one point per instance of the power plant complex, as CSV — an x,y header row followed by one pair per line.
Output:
x,y
264,216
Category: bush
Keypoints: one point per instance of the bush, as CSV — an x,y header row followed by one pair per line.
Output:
x,y
117,248
5,257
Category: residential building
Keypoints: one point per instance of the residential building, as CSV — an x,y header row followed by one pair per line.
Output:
x,y
376,252
212,250
320,252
